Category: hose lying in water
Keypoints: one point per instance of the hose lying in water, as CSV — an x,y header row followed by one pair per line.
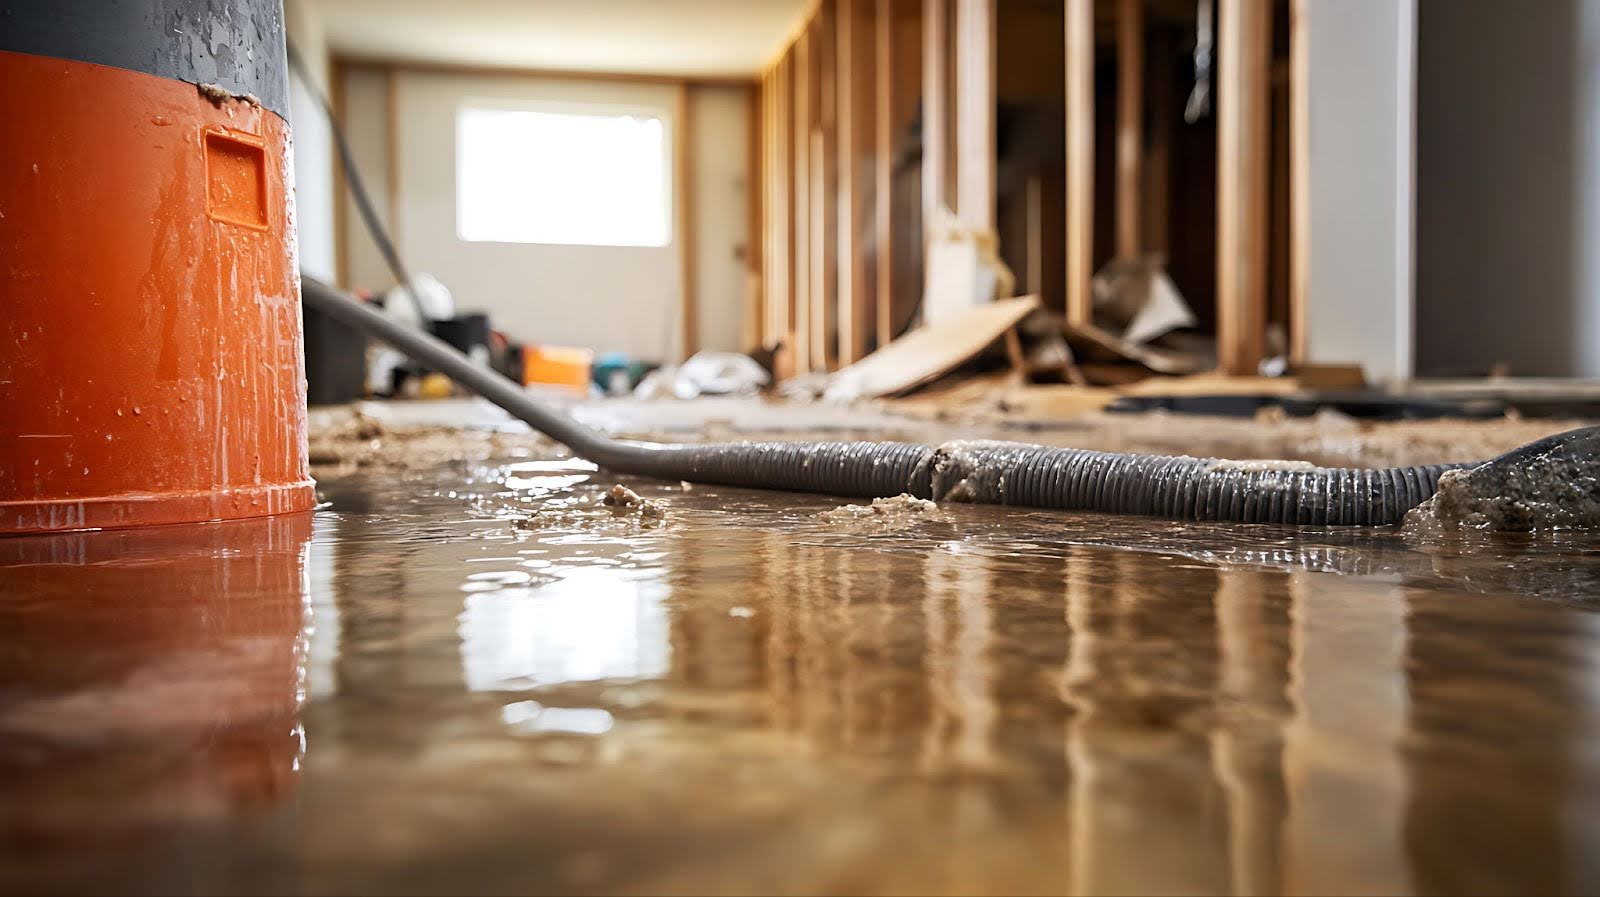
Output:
x,y
990,472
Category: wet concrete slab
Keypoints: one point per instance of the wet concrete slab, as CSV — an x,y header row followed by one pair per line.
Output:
x,y
478,678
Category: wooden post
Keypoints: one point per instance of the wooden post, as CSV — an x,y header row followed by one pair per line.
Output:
x,y
800,129
1243,43
683,147
935,27
823,217
1080,159
855,138
1157,160
780,313
1299,180
975,101
883,174
1130,124
750,335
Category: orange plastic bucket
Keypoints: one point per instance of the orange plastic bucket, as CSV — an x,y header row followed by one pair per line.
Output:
x,y
151,367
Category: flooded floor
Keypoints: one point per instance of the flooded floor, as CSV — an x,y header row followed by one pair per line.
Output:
x,y
477,678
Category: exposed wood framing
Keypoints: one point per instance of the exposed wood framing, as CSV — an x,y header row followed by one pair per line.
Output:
x,y
800,133
1244,45
754,324
781,317
935,102
975,110
883,172
1130,124
1157,162
684,230
854,129
1299,179
1080,158
824,176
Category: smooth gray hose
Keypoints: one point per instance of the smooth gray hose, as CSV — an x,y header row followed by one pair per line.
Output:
x,y
991,472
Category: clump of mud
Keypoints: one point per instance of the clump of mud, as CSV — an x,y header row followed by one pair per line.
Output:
x,y
622,500
898,512
345,440
1556,488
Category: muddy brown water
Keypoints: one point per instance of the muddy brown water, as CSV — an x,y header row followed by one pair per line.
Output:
x,y
478,679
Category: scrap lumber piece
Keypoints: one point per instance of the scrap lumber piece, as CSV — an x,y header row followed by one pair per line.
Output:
x,y
927,353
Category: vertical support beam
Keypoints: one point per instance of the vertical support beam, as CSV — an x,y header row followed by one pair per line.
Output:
x,y
822,320
781,183
683,189
975,102
1243,43
1033,280
1130,124
935,100
755,223
1157,161
800,134
1080,159
883,173
824,223
1299,179
855,140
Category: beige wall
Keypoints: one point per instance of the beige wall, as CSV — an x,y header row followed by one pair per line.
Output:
x,y
366,123
602,297
719,118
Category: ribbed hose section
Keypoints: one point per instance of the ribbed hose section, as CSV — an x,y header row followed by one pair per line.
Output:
x,y
1007,473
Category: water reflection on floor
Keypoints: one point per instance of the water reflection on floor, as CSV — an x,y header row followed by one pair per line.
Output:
x,y
411,693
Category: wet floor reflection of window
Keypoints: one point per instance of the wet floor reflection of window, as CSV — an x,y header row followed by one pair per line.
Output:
x,y
591,624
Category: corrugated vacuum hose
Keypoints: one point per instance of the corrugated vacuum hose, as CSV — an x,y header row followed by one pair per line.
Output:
x,y
1007,473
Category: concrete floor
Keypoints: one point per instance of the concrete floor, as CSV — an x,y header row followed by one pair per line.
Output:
x,y
469,675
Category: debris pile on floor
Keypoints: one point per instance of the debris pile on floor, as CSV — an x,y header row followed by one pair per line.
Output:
x,y
622,500
347,439
884,513
1549,490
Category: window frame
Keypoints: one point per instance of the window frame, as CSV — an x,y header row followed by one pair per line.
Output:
x,y
596,109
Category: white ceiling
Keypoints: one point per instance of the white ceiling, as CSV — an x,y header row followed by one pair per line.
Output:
x,y
701,38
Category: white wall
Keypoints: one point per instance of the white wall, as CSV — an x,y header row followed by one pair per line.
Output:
x,y
602,297
1508,223
365,110
313,145
1362,78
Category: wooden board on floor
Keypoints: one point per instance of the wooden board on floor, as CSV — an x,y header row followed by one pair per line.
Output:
x,y
1159,360
932,351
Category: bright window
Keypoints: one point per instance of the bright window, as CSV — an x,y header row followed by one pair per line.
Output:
x,y
528,176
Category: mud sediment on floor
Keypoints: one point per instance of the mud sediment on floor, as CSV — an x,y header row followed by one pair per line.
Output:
x,y
345,439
